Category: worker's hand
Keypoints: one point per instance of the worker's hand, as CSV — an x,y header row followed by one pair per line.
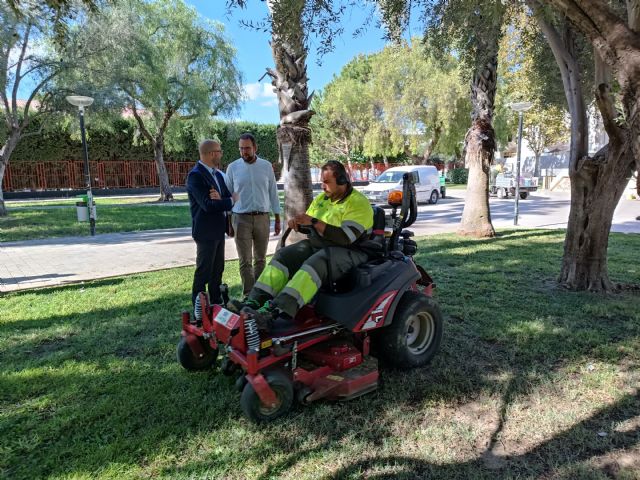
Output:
x,y
291,223
213,194
277,228
235,196
302,219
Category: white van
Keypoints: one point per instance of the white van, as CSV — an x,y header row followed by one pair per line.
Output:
x,y
427,188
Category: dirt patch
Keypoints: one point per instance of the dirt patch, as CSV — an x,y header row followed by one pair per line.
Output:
x,y
620,465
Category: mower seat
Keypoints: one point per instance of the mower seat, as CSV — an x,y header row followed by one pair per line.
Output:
x,y
375,246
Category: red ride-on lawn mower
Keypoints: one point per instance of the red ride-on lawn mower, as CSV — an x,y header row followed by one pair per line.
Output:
x,y
325,352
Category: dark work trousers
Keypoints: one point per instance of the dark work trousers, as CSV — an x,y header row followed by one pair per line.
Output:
x,y
209,268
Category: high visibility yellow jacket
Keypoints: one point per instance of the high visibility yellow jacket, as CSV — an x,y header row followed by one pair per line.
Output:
x,y
347,219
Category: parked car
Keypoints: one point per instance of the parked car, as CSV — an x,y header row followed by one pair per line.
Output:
x,y
427,187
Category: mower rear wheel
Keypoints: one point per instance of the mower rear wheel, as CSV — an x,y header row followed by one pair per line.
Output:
x,y
253,407
414,336
190,361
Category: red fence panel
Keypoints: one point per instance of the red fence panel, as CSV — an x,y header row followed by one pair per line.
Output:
x,y
119,174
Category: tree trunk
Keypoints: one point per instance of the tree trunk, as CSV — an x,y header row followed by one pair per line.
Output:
x,y
431,145
5,156
596,183
3,208
480,146
163,177
290,84
297,181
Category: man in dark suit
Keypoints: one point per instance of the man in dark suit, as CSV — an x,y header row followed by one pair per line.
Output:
x,y
209,200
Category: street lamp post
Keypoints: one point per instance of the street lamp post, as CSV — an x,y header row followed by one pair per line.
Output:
x,y
519,107
81,102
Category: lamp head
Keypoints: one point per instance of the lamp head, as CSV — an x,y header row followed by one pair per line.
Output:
x,y
521,106
79,101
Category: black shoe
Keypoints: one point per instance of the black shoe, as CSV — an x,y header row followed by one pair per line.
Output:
x,y
236,306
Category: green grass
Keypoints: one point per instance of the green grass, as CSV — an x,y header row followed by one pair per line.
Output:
x,y
527,377
456,186
58,218
62,202
30,223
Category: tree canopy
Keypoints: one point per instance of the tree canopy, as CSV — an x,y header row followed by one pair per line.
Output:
x,y
163,62
397,101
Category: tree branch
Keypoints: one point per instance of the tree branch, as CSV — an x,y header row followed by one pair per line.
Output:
x,y
16,83
604,101
35,92
145,133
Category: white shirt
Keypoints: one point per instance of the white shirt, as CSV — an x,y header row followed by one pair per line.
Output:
x,y
255,184
212,171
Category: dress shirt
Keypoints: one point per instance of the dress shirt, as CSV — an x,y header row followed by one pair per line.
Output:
x,y
255,184
212,171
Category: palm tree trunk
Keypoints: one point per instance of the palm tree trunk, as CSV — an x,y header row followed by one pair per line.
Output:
x,y
480,146
290,84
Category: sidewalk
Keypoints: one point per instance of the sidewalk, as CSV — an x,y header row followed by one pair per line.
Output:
x,y
58,261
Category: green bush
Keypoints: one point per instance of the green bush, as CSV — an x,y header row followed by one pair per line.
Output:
x,y
119,140
459,175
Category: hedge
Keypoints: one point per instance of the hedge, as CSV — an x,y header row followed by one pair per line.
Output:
x,y
119,141
459,175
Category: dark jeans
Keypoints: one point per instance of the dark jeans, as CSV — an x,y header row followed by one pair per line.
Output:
x,y
209,268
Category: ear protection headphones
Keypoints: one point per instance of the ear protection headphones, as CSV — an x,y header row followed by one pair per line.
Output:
x,y
341,173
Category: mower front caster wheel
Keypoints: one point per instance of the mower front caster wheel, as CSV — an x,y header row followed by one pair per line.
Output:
x,y
190,361
253,407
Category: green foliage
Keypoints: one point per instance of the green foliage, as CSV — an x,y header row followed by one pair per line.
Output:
x,y
527,72
163,70
458,175
118,139
397,101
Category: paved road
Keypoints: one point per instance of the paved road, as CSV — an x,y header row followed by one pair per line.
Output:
x,y
57,261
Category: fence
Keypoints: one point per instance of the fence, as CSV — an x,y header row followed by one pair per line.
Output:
x,y
70,175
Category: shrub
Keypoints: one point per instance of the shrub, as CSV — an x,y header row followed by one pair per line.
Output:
x,y
459,175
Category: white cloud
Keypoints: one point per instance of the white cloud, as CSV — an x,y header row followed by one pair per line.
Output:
x,y
269,103
256,91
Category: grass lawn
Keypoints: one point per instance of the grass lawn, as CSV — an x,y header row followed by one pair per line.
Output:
x,y
28,223
48,219
58,202
456,186
532,381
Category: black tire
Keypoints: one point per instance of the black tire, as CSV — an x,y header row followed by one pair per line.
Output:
x,y
414,336
188,359
524,195
501,193
433,198
254,409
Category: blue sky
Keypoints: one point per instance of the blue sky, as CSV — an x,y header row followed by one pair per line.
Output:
x,y
254,53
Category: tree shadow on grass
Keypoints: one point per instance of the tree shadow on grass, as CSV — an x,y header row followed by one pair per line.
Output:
x,y
538,462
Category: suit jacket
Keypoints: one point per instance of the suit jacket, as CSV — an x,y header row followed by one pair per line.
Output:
x,y
208,217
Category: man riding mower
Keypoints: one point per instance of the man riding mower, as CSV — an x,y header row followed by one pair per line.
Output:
x,y
312,336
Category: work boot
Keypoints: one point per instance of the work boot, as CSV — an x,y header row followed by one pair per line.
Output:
x,y
236,306
263,316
